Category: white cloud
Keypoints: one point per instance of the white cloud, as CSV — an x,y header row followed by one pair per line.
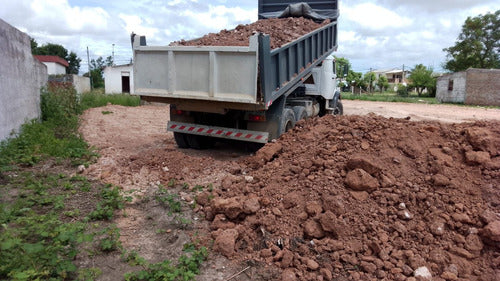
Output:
x,y
373,17
136,24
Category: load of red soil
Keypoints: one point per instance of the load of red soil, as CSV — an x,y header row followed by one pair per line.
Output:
x,y
366,198
281,32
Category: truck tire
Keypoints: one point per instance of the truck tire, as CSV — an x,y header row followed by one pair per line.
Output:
x,y
300,112
180,139
287,120
338,109
200,142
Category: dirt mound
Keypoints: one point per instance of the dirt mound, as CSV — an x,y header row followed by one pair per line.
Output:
x,y
281,32
365,198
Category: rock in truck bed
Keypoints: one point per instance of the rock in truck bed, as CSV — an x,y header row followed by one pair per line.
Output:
x,y
281,32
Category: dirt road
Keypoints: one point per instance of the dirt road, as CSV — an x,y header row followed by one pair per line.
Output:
x,y
419,112
389,230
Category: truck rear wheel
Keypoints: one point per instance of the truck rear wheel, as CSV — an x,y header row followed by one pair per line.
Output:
x,y
287,120
300,112
200,142
180,139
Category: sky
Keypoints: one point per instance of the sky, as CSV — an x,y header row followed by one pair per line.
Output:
x,y
373,34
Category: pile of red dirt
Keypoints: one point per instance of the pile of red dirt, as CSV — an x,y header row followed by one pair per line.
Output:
x,y
366,198
281,32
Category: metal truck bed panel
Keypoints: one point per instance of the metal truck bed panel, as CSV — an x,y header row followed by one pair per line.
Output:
x,y
227,74
282,68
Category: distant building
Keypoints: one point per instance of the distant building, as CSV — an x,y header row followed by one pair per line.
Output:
x,y
473,86
55,65
394,75
119,79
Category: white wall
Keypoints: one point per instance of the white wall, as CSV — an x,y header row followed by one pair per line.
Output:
x,y
457,94
55,68
81,84
113,78
21,77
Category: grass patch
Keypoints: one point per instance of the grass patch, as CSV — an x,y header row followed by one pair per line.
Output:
x,y
389,97
97,98
37,239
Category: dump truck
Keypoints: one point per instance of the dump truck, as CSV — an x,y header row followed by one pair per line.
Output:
x,y
248,93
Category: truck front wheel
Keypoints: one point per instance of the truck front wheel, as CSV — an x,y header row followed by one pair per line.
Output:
x,y
200,142
338,109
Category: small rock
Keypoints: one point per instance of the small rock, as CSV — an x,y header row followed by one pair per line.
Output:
x,y
360,180
288,275
368,267
328,221
265,253
225,242
277,212
327,274
437,228
249,179
291,200
423,272
313,208
80,169
460,217
231,207
251,206
313,229
227,183
165,169
449,276
287,259
440,180
359,162
365,145
477,157
402,206
360,195
405,215
311,264
492,231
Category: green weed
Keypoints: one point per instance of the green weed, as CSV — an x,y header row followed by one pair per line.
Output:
x,y
186,267
169,200
111,200
110,240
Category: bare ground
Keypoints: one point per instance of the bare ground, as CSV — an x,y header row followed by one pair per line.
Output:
x,y
138,154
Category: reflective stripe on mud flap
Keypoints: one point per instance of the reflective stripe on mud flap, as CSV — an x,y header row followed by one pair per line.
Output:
x,y
219,132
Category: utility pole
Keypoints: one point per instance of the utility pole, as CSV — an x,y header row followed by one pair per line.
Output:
x,y
403,77
90,73
113,54
370,86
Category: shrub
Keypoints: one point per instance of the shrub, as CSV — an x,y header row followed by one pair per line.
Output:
x,y
402,90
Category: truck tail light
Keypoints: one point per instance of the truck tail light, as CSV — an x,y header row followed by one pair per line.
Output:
x,y
257,118
177,112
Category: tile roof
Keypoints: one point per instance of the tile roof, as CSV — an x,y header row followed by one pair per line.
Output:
x,y
55,59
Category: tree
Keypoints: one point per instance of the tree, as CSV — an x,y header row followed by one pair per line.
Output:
x,y
478,45
355,78
369,79
96,69
421,78
382,82
342,66
51,49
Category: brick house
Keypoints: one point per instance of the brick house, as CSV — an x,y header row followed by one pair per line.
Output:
x,y
473,86
55,65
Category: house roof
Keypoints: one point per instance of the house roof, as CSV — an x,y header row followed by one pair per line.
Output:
x,y
388,71
55,59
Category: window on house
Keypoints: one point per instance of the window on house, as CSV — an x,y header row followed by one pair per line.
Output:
x,y
450,85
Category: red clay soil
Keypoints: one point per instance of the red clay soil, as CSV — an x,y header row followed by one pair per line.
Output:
x,y
366,198
281,32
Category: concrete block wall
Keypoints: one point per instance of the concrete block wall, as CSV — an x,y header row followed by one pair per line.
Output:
x,y
21,77
483,87
457,95
81,84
